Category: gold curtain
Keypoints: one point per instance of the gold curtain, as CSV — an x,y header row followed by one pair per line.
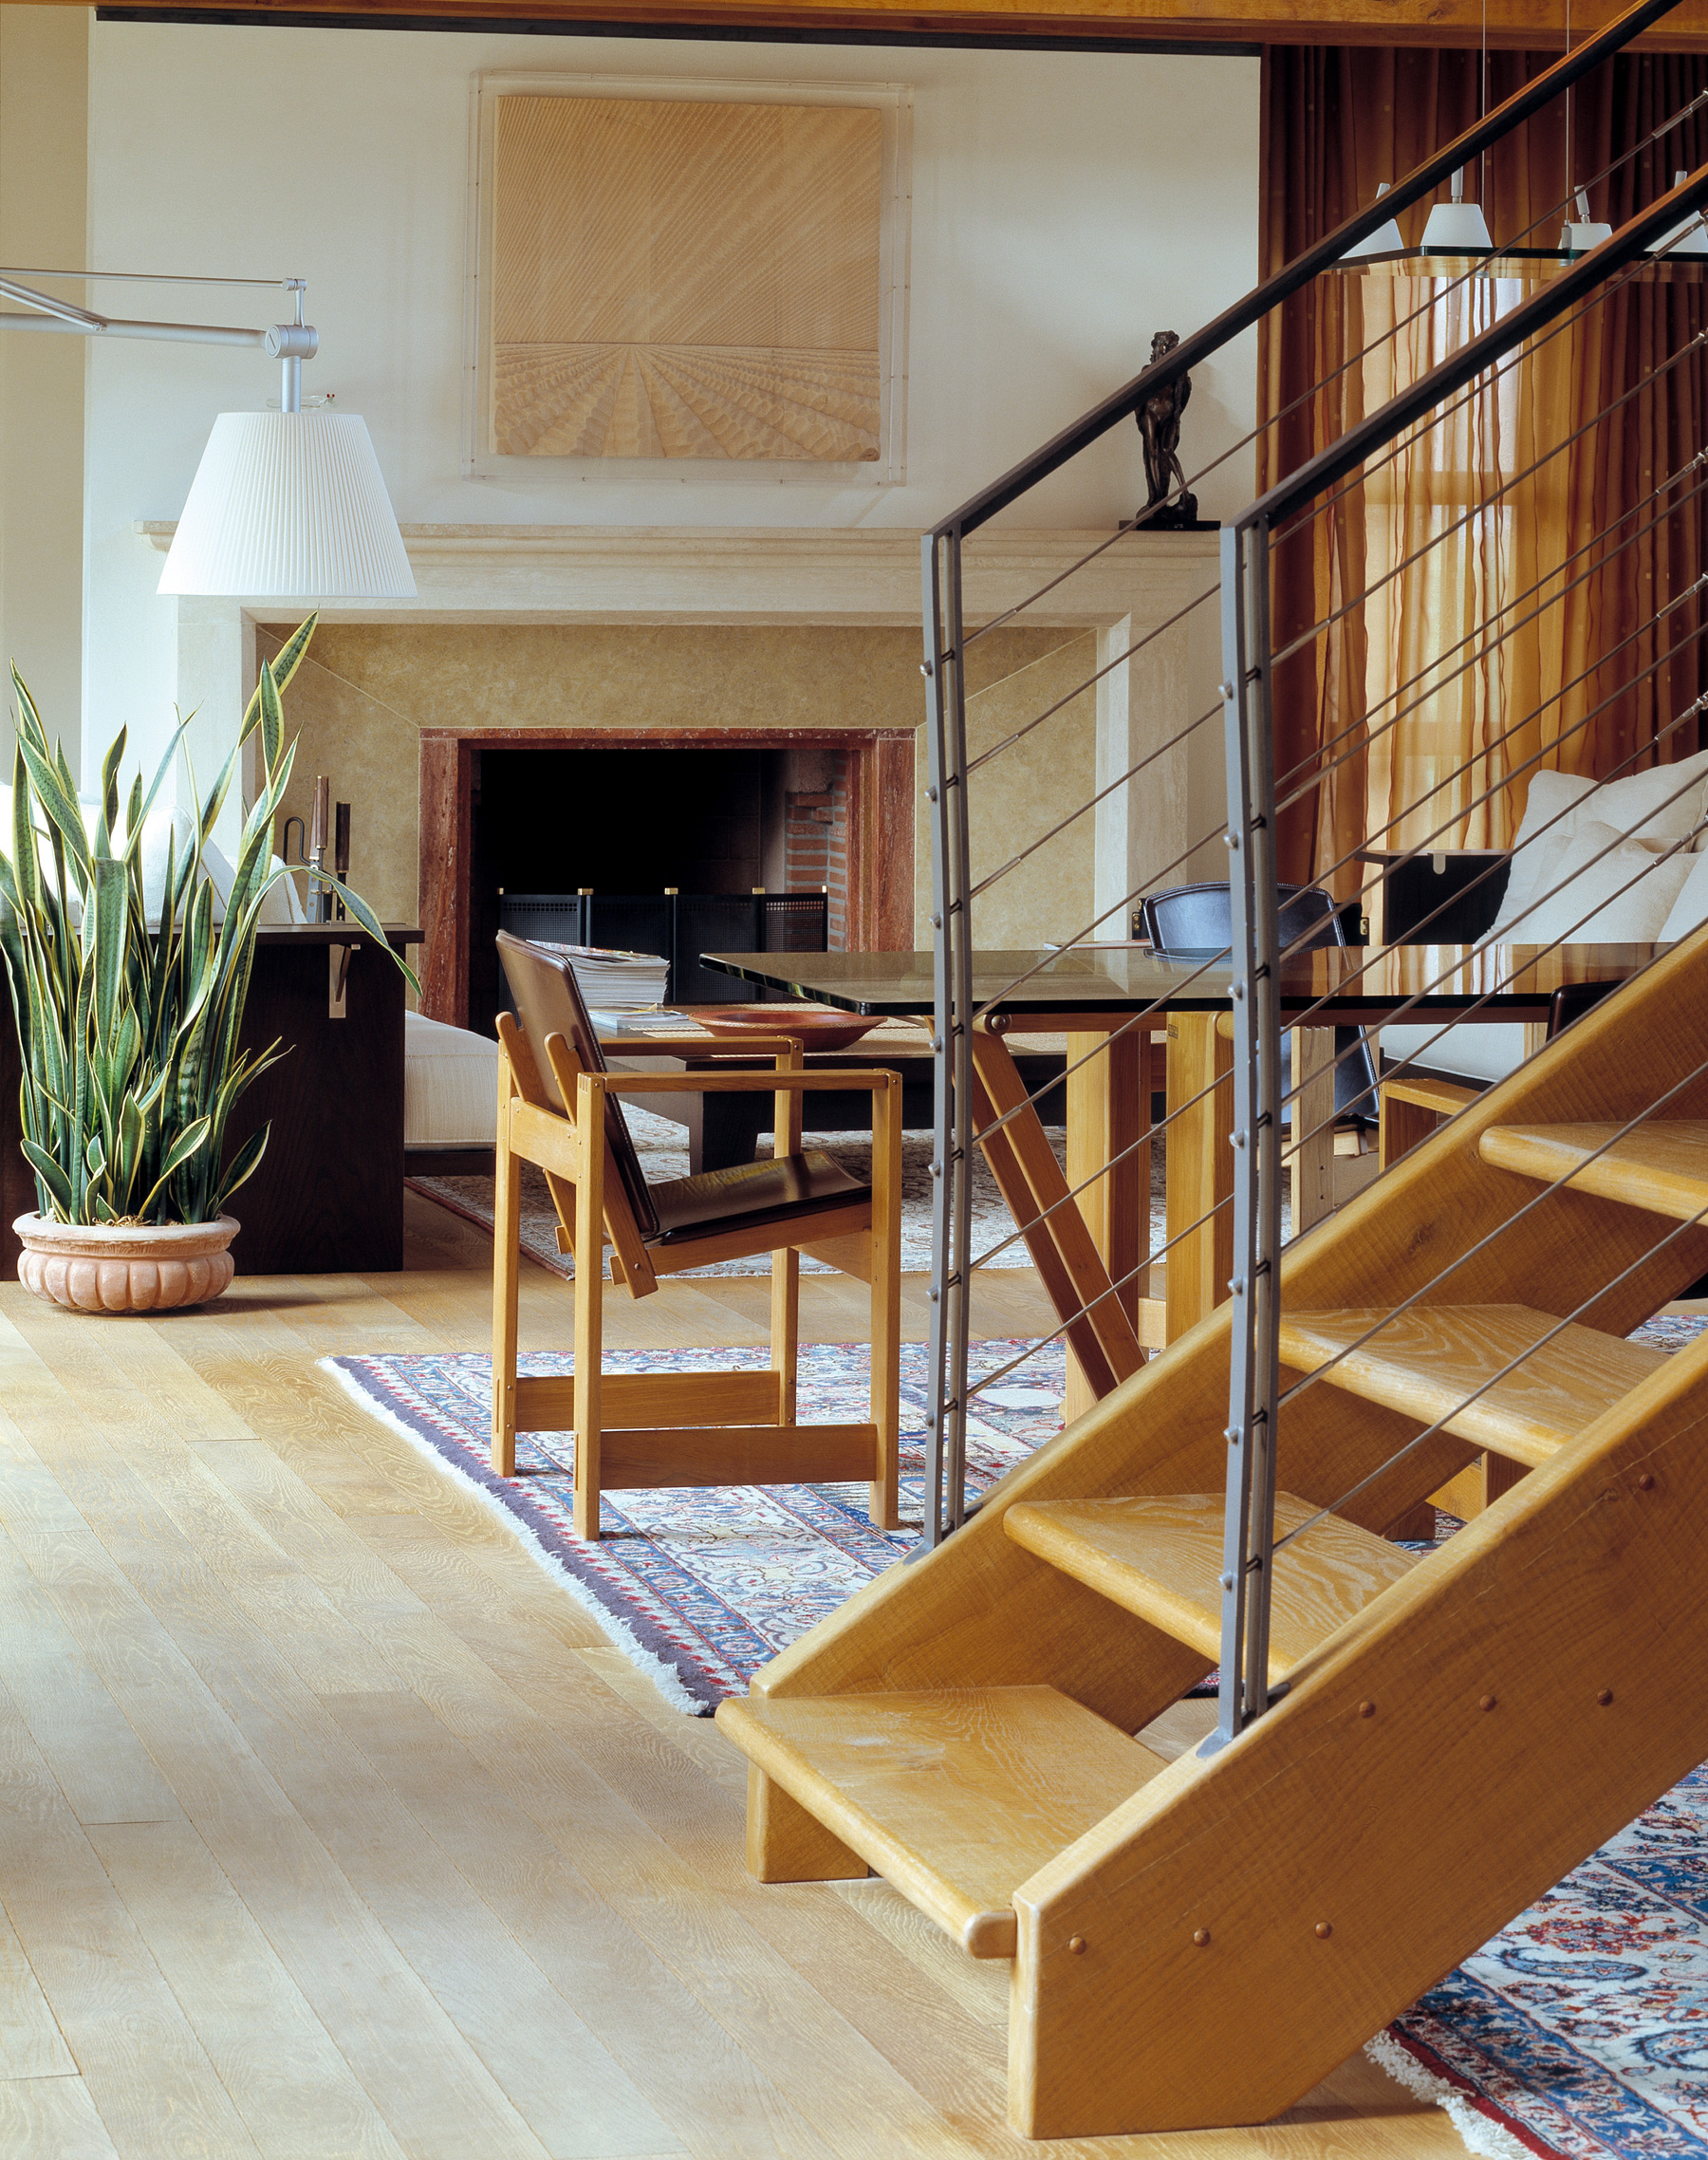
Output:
x,y
1500,616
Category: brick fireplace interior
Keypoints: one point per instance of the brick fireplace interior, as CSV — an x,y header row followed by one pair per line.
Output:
x,y
505,814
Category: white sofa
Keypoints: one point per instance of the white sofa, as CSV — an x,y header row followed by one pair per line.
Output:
x,y
450,1085
166,822
1623,862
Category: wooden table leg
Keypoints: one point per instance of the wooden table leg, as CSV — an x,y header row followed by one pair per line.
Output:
x,y
1201,1170
1311,1160
1108,1111
1099,1333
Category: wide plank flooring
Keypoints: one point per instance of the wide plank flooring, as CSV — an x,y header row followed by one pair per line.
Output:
x,y
329,1829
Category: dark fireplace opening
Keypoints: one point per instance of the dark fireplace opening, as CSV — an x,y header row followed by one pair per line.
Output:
x,y
641,820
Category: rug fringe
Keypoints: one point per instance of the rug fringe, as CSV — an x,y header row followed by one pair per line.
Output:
x,y
662,1676
1477,2132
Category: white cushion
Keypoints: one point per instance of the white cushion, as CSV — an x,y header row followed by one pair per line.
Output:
x,y
1550,793
450,1085
1690,910
164,822
1533,872
1662,804
1637,805
1612,891
1473,1049
281,904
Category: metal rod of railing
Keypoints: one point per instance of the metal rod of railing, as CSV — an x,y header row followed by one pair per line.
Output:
x,y
1547,1192
1445,289
1366,733
1451,375
1194,350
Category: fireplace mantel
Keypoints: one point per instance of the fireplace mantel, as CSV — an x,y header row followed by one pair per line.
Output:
x,y
594,574
1133,591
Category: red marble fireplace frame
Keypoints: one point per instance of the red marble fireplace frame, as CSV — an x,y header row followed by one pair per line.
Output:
x,y
881,830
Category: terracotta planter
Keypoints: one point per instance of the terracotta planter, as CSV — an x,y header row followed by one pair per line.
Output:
x,y
100,1268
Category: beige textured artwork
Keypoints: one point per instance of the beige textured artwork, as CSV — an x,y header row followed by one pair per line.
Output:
x,y
673,279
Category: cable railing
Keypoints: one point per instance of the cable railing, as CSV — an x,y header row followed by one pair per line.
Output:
x,y
1251,656
1271,1124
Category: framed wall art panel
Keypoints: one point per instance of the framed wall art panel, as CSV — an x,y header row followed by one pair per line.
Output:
x,y
663,279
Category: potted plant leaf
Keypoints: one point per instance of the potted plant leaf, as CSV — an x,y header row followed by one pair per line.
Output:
x,y
129,1025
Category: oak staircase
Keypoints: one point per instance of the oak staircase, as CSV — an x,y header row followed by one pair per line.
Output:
x,y
1198,1943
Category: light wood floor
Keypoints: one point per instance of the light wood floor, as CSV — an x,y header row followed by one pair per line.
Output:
x,y
329,1828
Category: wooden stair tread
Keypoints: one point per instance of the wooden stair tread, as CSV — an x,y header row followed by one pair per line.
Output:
x,y
1160,1556
1663,1166
1431,1357
955,1796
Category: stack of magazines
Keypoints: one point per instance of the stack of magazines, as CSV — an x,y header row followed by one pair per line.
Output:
x,y
612,981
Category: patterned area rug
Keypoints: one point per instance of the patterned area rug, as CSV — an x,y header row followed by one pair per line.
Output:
x,y
701,1586
664,1154
1582,2030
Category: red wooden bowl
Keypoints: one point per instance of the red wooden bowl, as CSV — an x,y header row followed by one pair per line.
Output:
x,y
818,1028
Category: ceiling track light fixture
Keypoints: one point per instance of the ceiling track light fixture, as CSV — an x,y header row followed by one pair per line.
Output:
x,y
284,505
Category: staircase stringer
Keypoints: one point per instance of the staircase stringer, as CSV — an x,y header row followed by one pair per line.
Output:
x,y
1446,1758
983,1612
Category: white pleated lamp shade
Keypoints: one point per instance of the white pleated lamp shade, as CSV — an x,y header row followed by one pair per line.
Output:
x,y
288,506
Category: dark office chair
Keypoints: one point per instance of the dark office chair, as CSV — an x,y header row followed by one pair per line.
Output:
x,y
1198,919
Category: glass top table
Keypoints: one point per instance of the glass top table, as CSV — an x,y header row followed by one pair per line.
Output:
x,y
1091,993
1363,984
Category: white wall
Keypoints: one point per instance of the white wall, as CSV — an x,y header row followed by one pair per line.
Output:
x,y
44,84
1065,207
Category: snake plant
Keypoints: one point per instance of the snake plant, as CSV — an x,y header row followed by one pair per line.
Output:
x,y
129,1034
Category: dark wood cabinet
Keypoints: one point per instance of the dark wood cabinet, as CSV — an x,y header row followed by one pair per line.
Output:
x,y
328,1197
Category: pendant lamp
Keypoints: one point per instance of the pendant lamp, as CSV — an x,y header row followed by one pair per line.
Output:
x,y
1579,236
1385,240
1689,238
1456,228
288,506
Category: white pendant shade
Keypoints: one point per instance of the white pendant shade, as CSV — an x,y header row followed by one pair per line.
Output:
x,y
288,506
1690,239
1456,229
1385,240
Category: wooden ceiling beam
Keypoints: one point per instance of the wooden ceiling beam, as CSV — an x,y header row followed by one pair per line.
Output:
x,y
1527,24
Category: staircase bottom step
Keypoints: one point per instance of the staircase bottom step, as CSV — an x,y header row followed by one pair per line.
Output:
x,y
955,1796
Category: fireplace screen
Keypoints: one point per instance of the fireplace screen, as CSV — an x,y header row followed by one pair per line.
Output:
x,y
678,926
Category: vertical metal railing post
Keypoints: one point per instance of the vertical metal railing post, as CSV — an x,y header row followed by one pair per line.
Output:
x,y
1254,1371
945,1480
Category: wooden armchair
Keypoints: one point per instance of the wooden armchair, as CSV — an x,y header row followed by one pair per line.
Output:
x,y
559,1107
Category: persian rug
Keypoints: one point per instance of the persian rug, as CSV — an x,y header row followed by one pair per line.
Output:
x,y
1581,2030
664,1152
700,1585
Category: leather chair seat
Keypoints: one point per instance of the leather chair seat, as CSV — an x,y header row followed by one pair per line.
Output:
x,y
751,1195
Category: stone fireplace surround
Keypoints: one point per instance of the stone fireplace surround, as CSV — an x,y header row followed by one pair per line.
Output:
x,y
497,575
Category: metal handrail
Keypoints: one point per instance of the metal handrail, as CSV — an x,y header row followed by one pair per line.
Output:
x,y
1250,658
1193,351
947,636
